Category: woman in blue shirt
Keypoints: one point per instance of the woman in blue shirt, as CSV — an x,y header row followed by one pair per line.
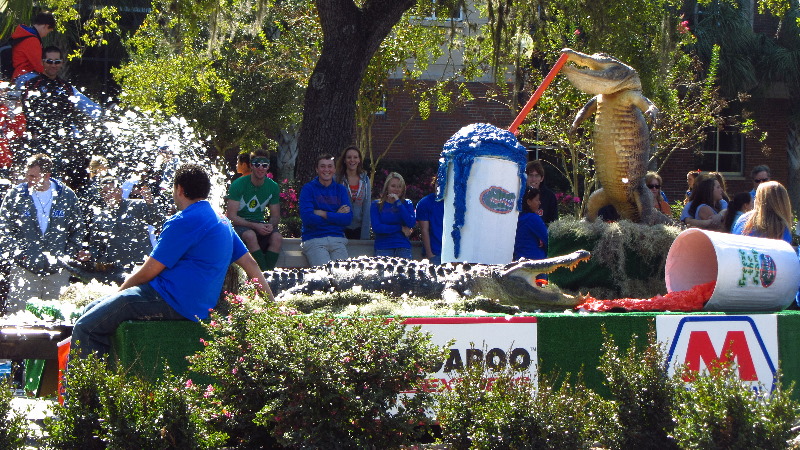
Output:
x,y
771,216
393,218
531,240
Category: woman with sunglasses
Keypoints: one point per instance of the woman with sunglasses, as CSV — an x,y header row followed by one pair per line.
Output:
x,y
653,182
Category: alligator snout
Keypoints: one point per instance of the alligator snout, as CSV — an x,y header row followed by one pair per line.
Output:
x,y
605,74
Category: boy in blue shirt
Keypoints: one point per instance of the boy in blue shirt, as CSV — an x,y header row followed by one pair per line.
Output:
x,y
325,212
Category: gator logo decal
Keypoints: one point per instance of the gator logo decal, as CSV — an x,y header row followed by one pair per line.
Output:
x,y
757,268
498,200
767,272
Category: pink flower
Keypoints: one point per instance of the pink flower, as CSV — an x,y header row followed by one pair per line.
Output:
x,y
189,383
269,175
577,32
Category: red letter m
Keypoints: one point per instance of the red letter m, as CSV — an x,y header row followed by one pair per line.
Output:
x,y
735,348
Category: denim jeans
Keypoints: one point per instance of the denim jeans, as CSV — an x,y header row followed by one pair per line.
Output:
x,y
100,319
398,252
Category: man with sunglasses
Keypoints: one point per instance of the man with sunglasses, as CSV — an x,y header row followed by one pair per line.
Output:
x,y
246,203
55,110
759,174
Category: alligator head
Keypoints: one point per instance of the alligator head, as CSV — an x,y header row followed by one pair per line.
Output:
x,y
604,74
518,282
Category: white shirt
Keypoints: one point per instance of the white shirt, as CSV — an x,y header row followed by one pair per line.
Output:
x,y
43,201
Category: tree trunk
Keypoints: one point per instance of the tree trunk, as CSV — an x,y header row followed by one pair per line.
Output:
x,y
351,36
287,152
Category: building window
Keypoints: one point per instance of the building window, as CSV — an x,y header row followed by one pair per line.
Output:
x,y
722,151
455,13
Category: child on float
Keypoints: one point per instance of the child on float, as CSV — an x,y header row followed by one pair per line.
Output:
x,y
350,172
705,205
393,218
771,216
531,239
691,177
741,204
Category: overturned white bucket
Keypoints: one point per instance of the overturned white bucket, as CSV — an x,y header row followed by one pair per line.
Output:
x,y
752,274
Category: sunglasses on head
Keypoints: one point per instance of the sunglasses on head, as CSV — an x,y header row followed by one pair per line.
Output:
x,y
52,61
654,186
760,180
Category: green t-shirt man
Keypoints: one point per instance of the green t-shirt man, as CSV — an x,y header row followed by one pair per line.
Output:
x,y
245,205
253,200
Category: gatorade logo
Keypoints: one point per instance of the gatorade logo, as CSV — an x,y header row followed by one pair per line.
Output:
x,y
749,343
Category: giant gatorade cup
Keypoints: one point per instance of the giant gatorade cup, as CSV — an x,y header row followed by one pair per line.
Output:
x,y
481,179
490,224
751,274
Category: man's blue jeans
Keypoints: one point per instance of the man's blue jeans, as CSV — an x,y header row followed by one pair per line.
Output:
x,y
398,252
100,319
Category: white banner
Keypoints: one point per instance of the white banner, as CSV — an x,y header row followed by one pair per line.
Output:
x,y
496,340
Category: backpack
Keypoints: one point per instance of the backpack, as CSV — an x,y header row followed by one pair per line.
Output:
x,y
6,62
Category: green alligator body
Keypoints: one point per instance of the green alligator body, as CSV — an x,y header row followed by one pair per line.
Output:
x,y
511,284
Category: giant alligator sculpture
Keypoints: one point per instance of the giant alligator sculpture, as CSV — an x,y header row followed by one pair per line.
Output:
x,y
621,137
510,284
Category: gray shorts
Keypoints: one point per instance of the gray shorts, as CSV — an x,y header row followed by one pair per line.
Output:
x,y
320,251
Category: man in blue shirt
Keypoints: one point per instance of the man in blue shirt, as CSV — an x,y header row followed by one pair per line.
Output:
x,y
325,212
183,276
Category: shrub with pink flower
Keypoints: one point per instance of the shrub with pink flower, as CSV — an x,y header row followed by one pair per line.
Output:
x,y
289,199
568,204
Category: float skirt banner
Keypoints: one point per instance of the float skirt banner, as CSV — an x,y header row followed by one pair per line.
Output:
x,y
496,340
749,342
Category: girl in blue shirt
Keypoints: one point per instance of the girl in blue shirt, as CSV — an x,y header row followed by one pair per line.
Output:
x,y
393,218
771,216
531,240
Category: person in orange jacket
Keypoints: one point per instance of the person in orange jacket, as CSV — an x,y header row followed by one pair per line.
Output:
x,y
26,52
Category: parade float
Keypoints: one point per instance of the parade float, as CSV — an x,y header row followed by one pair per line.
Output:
x,y
710,298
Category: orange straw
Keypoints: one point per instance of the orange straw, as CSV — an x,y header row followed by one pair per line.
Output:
x,y
536,95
